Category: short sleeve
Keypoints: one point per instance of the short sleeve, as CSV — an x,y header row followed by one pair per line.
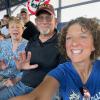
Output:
x,y
59,74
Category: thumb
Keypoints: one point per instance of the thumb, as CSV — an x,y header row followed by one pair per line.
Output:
x,y
33,66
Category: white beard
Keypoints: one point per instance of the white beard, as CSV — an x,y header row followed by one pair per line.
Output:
x,y
45,32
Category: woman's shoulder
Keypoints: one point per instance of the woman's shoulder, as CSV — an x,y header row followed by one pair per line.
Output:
x,y
5,42
97,62
67,63
66,66
24,41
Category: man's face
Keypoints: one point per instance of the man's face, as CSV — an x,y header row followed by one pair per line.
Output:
x,y
45,23
5,20
24,16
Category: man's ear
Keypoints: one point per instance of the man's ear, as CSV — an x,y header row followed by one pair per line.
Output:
x,y
56,22
93,49
36,20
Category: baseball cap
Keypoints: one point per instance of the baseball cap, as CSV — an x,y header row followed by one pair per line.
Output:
x,y
24,10
45,7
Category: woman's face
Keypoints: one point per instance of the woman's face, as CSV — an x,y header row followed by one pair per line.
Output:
x,y
15,31
79,44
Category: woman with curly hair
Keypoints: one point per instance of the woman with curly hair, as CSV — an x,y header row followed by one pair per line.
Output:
x,y
78,78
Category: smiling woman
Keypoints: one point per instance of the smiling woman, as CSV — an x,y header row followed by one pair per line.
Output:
x,y
16,28
9,50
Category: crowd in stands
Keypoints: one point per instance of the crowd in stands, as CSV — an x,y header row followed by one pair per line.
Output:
x,y
41,63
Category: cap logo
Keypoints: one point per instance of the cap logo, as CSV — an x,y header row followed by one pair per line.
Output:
x,y
44,5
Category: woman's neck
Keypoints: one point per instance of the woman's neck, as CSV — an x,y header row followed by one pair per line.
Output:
x,y
16,40
15,43
83,69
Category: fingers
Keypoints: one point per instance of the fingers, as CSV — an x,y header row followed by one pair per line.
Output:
x,y
17,60
22,56
29,56
23,62
86,93
33,66
28,66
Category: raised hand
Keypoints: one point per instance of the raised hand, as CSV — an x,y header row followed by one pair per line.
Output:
x,y
23,62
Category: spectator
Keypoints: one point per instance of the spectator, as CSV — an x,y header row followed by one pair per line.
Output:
x,y
30,29
80,77
2,23
4,29
9,49
44,52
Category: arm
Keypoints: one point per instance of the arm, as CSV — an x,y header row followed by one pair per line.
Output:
x,y
43,92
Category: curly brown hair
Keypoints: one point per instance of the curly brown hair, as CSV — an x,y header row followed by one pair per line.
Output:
x,y
88,24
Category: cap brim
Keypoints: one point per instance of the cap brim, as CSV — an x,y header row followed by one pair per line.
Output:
x,y
23,12
43,10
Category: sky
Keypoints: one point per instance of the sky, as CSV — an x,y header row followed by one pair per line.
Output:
x,y
88,10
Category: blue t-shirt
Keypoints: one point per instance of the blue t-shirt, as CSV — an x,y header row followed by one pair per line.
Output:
x,y
8,56
71,83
